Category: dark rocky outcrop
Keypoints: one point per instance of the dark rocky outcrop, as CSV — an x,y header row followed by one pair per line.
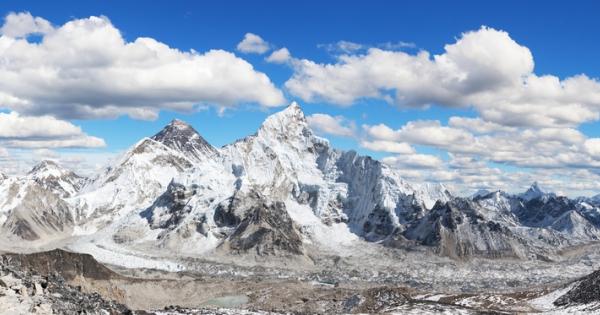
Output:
x,y
40,281
67,264
266,229
182,137
585,291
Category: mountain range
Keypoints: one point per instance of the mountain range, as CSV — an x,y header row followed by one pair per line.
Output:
x,y
282,192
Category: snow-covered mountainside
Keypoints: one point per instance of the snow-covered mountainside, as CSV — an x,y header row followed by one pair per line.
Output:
x,y
177,192
34,207
278,192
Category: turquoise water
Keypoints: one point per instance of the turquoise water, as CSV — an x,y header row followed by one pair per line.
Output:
x,y
228,301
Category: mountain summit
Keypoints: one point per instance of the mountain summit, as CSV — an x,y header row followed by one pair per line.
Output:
x,y
534,192
182,137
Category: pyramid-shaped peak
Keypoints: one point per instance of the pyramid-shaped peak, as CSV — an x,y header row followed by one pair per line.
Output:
x,y
45,164
535,191
293,110
180,124
182,137
48,168
536,186
176,129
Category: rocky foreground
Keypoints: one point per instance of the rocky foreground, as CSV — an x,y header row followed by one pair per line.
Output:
x,y
23,291
60,282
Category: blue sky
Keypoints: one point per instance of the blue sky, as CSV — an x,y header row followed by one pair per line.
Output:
x,y
562,40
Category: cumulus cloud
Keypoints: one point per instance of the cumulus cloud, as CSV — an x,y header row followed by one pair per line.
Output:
x,y
592,147
485,69
279,56
342,46
473,145
333,125
86,69
478,125
424,161
253,44
348,47
426,132
388,146
22,24
43,132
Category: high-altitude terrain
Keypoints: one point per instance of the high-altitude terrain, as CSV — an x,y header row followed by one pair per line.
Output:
x,y
282,221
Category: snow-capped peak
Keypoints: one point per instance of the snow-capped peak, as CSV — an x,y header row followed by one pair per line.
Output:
x,y
55,178
47,169
535,191
182,137
480,193
431,193
284,120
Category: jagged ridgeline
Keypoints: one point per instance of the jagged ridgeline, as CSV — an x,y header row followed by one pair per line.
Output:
x,y
280,192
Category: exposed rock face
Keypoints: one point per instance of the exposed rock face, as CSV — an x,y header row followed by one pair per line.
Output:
x,y
266,229
170,208
378,300
182,137
585,291
33,207
33,284
40,214
458,229
69,265
543,211
57,179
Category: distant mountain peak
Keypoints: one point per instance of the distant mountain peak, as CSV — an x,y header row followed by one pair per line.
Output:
x,y
481,193
535,191
48,168
180,124
181,136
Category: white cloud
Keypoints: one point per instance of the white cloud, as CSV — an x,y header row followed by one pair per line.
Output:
x,y
348,47
388,146
485,69
86,69
592,146
43,132
396,45
333,125
477,125
280,56
424,161
343,46
253,44
426,132
23,24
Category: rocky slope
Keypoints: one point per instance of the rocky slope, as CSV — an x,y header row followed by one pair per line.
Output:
x,y
26,289
34,206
